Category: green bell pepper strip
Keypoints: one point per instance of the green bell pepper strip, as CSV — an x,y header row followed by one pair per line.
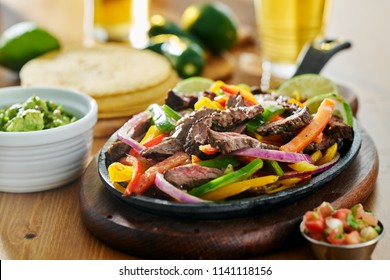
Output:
x,y
170,112
220,162
269,112
275,167
230,178
162,120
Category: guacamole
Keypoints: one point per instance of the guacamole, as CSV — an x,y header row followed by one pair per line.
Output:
x,y
33,114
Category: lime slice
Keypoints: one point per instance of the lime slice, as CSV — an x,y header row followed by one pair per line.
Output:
x,y
193,85
22,42
305,86
342,108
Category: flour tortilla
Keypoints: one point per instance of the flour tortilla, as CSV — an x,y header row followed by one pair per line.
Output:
x,y
121,79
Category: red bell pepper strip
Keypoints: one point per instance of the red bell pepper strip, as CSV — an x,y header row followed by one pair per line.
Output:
x,y
156,140
137,171
147,179
313,129
246,94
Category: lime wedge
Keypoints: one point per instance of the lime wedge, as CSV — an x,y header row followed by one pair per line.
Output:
x,y
342,108
193,85
24,41
305,86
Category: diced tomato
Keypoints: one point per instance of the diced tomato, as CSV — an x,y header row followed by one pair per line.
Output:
x,y
352,237
369,218
342,215
314,222
336,237
325,209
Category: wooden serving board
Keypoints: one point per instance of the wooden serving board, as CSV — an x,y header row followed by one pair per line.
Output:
x,y
151,236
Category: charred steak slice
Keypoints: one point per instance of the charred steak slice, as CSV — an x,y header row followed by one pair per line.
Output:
x,y
180,102
289,124
338,129
197,136
223,120
165,149
227,142
235,101
138,124
116,151
191,175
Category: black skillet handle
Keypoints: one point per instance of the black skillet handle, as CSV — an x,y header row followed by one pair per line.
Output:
x,y
318,53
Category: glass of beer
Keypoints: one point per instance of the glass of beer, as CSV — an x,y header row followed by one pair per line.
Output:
x,y
117,20
284,28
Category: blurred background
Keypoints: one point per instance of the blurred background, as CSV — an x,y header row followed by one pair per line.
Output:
x,y
363,23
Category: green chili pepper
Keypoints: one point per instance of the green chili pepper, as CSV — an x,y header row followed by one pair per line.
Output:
x,y
161,119
230,178
220,162
269,112
170,112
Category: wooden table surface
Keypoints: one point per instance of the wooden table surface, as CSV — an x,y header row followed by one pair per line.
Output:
x,y
48,225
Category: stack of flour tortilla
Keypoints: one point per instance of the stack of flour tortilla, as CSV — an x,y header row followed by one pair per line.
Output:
x,y
122,80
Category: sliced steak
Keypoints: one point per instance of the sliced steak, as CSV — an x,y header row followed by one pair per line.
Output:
x,y
289,124
338,129
235,101
180,102
116,151
227,142
184,124
223,120
325,143
167,148
197,136
138,124
191,175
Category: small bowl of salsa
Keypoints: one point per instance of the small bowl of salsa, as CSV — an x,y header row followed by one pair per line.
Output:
x,y
341,234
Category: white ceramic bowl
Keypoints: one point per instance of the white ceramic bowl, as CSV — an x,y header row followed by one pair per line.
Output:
x,y
41,160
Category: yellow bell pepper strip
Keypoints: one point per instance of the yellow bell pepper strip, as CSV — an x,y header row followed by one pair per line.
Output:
x,y
269,113
137,171
220,162
208,103
170,112
302,166
162,120
216,87
227,179
246,94
328,155
282,185
296,102
119,172
152,132
316,156
239,187
147,179
311,131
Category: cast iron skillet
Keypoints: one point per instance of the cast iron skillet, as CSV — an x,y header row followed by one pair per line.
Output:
x,y
313,59
231,208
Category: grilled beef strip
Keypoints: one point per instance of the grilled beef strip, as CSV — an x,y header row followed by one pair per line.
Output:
x,y
190,176
227,142
179,102
116,151
227,119
163,150
235,101
289,124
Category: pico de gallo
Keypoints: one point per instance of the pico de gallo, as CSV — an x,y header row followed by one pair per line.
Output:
x,y
342,226
226,142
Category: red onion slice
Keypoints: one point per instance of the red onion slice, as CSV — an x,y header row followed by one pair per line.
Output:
x,y
273,155
122,135
174,192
